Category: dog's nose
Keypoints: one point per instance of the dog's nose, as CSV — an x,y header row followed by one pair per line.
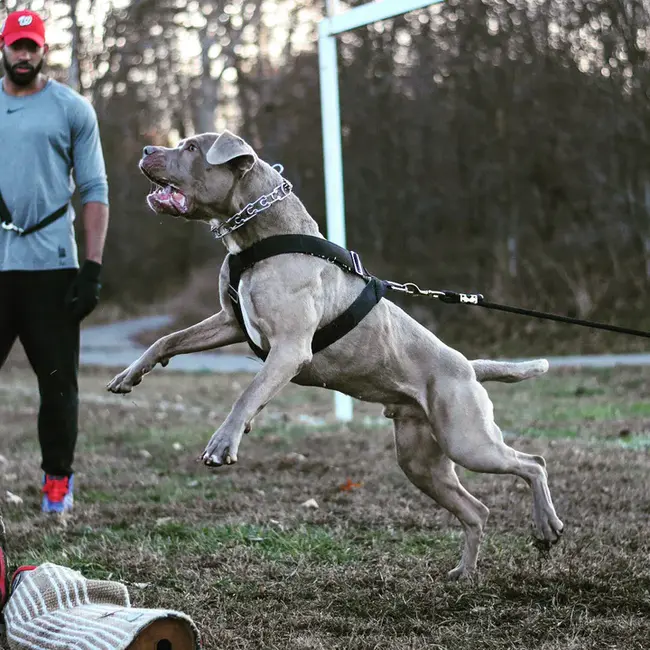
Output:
x,y
148,150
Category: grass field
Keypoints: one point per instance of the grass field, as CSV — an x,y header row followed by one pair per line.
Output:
x,y
235,549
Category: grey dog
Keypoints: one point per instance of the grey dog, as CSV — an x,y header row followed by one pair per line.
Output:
x,y
441,412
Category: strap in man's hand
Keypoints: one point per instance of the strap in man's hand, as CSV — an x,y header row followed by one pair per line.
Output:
x,y
8,224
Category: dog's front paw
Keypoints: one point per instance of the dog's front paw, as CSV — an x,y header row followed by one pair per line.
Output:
x,y
222,449
132,376
120,383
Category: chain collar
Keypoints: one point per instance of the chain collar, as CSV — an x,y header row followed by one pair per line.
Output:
x,y
264,202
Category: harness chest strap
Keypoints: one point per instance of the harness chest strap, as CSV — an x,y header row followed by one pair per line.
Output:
x,y
349,261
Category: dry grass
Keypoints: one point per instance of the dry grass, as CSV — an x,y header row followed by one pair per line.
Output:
x,y
235,549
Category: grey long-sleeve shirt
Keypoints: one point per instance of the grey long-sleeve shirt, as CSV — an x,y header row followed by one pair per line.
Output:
x,y
49,141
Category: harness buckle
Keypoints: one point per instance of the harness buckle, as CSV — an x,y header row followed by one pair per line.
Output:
x,y
358,266
232,292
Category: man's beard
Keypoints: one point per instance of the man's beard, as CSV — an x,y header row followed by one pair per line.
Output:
x,y
21,78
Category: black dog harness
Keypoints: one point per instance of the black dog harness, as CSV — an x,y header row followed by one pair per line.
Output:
x,y
349,261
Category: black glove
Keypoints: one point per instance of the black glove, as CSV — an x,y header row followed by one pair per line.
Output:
x,y
83,295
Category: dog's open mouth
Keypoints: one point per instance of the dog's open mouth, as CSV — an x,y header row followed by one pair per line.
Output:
x,y
165,197
168,199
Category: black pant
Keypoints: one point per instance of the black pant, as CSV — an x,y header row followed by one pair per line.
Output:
x,y
32,308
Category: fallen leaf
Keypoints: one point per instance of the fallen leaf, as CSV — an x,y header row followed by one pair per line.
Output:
x,y
310,503
349,485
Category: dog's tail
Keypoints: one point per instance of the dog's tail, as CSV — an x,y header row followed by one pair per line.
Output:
x,y
508,371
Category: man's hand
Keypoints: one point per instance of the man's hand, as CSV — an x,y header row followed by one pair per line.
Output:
x,y
83,295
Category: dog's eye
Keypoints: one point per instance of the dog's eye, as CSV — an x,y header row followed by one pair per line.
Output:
x,y
191,147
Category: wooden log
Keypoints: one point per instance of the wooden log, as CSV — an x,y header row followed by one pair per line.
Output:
x,y
165,634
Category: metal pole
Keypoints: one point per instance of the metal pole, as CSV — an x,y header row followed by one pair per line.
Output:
x,y
334,195
372,12
337,23
332,7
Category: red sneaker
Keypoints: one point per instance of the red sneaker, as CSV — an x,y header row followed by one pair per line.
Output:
x,y
58,493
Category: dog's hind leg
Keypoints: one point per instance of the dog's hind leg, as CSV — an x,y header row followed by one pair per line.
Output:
x,y
427,467
461,415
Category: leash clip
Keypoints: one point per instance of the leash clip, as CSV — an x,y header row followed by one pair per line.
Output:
x,y
9,226
412,289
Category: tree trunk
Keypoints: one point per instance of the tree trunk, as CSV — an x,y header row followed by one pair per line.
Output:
x,y
207,91
75,46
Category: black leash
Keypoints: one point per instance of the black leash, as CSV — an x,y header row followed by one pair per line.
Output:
x,y
477,299
349,261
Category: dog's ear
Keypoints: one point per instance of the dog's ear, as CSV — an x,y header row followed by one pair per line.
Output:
x,y
229,147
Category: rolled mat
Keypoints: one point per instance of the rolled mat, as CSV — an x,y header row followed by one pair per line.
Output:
x,y
56,608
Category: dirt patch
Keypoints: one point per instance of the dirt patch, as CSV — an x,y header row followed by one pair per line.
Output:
x,y
236,550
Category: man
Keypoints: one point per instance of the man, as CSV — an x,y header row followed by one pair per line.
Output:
x,y
48,136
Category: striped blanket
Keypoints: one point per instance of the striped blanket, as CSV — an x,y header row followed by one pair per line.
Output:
x,y
56,608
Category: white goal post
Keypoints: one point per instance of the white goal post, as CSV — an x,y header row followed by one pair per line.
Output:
x,y
329,27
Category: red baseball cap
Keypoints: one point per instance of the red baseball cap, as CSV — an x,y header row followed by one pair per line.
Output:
x,y
23,24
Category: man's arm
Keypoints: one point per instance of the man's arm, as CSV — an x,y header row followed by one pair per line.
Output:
x,y
90,174
95,220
